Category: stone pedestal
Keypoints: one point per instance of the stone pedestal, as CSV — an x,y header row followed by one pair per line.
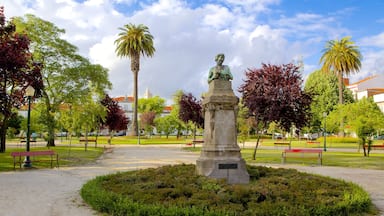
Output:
x,y
220,156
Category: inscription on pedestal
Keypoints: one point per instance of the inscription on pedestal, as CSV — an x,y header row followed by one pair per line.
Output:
x,y
227,166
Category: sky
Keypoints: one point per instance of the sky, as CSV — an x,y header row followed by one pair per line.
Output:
x,y
189,33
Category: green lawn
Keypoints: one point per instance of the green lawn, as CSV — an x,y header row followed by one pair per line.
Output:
x,y
74,156
347,154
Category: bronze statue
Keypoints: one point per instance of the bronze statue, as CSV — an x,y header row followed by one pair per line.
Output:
x,y
220,71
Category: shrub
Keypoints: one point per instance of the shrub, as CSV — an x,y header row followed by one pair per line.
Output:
x,y
177,190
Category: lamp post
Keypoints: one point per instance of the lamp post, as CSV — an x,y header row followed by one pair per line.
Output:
x,y
29,92
138,132
325,131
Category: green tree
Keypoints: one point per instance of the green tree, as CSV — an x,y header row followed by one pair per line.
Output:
x,y
88,114
67,76
154,104
324,90
133,41
341,57
364,118
166,124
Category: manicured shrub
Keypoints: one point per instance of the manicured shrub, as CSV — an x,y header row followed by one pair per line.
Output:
x,y
177,190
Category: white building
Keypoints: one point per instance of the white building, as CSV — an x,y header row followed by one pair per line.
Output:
x,y
372,86
127,102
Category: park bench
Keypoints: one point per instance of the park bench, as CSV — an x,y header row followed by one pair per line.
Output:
x,y
83,140
282,144
33,155
24,140
379,146
194,142
312,153
313,142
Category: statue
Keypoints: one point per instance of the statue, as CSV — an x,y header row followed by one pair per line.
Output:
x,y
220,71
220,155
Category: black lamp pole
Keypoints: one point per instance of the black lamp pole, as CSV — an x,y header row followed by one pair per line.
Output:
x,y
325,131
29,92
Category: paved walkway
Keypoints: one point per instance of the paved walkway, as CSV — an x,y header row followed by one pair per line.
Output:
x,y
55,192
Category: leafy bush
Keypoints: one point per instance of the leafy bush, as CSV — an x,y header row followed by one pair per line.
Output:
x,y
177,190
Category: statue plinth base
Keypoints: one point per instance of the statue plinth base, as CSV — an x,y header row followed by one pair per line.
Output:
x,y
220,156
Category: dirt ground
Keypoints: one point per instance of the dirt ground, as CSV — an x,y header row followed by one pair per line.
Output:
x,y
55,192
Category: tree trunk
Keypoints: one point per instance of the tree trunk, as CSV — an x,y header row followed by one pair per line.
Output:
x,y
3,135
341,101
49,121
135,67
51,130
256,147
3,132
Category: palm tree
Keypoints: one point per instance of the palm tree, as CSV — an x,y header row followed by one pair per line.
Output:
x,y
134,40
341,57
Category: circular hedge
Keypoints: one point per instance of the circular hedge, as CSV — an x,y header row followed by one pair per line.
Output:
x,y
177,190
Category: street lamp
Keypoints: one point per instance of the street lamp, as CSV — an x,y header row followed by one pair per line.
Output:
x,y
325,131
138,132
29,92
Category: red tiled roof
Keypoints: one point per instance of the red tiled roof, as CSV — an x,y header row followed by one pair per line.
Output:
x,y
123,99
168,108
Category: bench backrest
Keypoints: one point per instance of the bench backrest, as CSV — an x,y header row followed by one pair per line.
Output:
x,y
33,153
303,150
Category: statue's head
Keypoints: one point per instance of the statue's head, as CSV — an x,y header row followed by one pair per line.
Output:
x,y
220,57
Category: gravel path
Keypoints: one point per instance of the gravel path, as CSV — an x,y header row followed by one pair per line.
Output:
x,y
55,192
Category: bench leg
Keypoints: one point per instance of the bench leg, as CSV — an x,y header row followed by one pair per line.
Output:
x,y
20,161
283,158
14,163
57,161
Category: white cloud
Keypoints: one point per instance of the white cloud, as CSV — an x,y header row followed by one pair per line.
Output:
x,y
375,40
187,39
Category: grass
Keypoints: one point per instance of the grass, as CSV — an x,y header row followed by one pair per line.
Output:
x,y
177,190
127,140
352,159
74,156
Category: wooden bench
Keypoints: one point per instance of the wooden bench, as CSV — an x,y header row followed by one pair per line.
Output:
x,y
317,152
380,146
194,142
88,141
282,144
31,142
33,154
313,142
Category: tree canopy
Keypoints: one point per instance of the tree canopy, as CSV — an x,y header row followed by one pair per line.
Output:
x,y
18,69
324,90
68,77
273,93
116,118
341,57
191,110
154,104
363,118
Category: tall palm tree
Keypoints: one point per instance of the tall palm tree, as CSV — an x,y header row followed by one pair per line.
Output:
x,y
134,40
341,57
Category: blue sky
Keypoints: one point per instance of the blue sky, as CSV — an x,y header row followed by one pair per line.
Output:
x,y
189,33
